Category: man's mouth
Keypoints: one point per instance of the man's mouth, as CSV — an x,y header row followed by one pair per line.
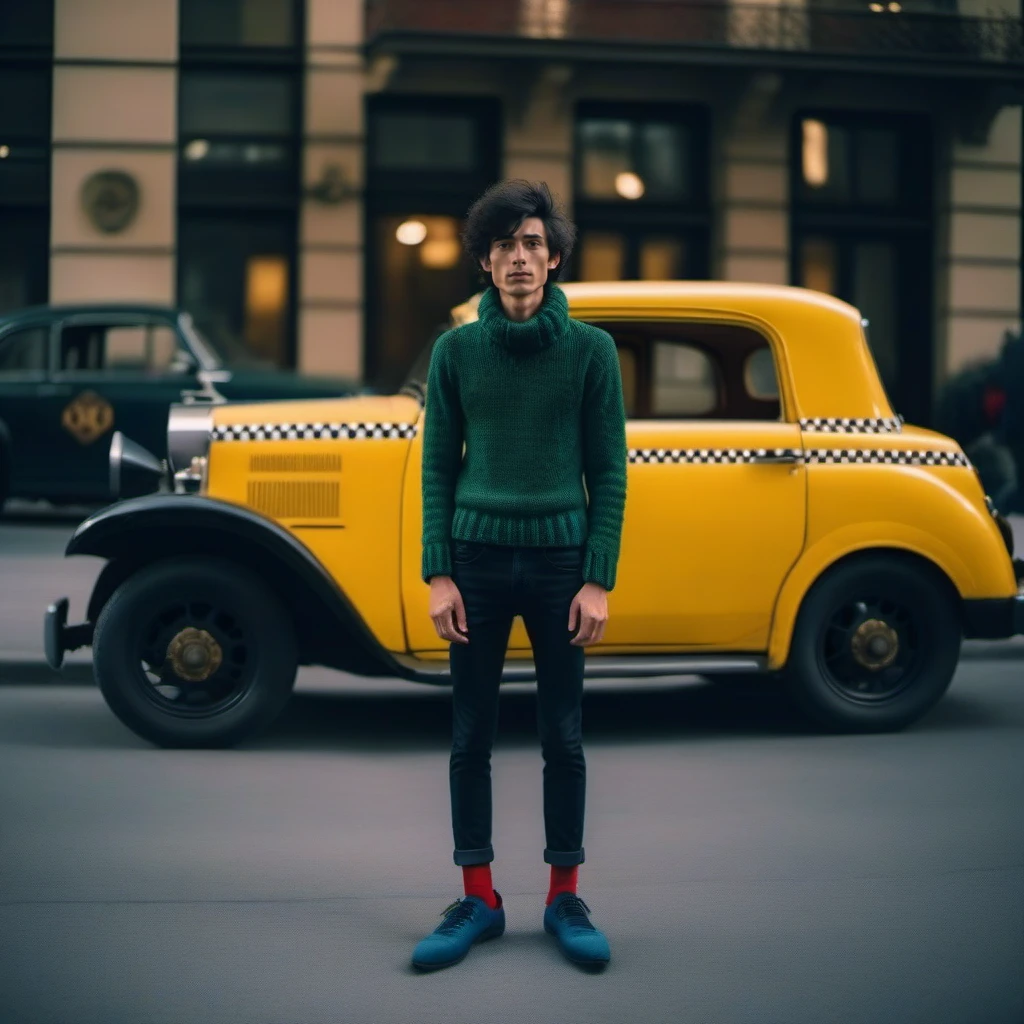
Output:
x,y
519,273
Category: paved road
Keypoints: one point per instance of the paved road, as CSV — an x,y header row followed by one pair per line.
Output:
x,y
745,871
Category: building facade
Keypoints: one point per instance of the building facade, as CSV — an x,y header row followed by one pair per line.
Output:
x,y
294,172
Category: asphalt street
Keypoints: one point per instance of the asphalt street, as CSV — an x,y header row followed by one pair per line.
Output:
x,y
743,868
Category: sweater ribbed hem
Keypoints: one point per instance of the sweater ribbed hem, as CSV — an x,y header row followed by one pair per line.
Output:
x,y
437,561
558,530
599,568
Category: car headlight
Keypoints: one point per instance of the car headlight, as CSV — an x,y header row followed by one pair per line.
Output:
x,y
188,443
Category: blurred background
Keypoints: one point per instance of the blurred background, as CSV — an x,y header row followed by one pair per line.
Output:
x,y
294,172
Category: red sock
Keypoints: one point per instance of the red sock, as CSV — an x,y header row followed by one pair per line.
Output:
x,y
477,881
562,880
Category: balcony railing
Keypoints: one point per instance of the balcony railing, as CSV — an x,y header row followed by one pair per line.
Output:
x,y
860,33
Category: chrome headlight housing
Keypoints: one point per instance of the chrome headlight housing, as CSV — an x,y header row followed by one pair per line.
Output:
x,y
189,428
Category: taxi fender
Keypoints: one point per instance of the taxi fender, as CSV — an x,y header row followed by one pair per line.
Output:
x,y
848,541
134,533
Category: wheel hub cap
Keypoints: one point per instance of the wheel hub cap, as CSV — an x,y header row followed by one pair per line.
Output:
x,y
875,644
194,655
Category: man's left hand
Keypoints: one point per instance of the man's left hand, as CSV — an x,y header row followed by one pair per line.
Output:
x,y
589,609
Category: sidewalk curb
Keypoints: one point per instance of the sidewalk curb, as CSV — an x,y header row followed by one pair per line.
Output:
x,y
28,672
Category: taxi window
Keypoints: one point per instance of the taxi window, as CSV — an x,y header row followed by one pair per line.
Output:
x,y
119,348
684,381
690,369
23,351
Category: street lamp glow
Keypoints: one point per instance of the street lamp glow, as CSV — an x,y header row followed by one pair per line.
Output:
x,y
5,152
197,149
629,185
411,232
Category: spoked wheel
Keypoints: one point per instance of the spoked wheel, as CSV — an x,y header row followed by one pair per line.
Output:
x,y
196,657
875,645
194,654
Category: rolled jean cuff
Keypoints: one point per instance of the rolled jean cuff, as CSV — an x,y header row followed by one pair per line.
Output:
x,y
564,859
482,856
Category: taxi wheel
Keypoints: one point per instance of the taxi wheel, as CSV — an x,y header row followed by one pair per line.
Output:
x,y
875,645
195,653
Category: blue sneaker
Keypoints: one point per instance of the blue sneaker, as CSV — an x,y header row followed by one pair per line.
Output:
x,y
566,918
466,921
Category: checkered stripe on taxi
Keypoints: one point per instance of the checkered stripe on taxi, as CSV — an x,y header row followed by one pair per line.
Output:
x,y
814,456
897,458
310,431
710,454
852,425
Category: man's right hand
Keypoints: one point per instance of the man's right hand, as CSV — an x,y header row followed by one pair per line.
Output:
x,y
447,610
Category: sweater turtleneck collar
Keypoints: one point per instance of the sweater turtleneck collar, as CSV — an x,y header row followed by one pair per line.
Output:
x,y
543,329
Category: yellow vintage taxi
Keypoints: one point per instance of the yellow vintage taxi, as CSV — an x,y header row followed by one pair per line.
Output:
x,y
781,519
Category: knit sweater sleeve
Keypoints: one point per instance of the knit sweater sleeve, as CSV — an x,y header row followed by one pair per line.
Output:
x,y
604,460
442,458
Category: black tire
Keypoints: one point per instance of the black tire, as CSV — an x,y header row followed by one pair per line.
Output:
x,y
5,476
252,631
830,683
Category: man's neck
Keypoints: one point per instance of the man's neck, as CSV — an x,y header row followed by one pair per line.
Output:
x,y
521,307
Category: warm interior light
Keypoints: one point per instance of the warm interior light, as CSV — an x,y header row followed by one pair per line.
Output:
x,y
411,232
266,301
197,149
5,152
266,284
815,153
629,185
877,8
440,253
895,7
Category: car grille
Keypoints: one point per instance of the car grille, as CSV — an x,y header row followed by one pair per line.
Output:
x,y
296,499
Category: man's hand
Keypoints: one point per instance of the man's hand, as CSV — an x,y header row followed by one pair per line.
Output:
x,y
590,608
447,610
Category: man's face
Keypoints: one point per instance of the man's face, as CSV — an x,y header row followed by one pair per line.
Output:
x,y
519,264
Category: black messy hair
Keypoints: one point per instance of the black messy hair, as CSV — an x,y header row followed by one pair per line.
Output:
x,y
503,207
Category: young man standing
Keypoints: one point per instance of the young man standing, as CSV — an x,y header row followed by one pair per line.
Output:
x,y
508,529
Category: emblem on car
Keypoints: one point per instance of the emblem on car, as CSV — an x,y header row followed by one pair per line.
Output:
x,y
87,416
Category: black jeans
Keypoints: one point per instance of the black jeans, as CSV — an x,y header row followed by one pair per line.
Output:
x,y
497,583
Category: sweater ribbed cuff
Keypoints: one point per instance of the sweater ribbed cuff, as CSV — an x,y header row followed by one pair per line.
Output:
x,y
437,561
599,568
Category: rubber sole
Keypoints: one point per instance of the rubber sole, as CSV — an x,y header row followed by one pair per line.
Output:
x,y
490,933
582,963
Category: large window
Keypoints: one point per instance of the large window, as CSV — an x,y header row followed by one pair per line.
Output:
x,y
861,207
695,370
237,24
641,192
26,56
240,129
428,158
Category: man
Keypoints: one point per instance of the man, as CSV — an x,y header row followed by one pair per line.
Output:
x,y
536,398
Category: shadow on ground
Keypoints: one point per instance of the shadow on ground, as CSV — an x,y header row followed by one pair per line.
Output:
x,y
693,710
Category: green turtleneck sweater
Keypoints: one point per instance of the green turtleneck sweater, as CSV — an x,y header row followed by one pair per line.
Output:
x,y
538,405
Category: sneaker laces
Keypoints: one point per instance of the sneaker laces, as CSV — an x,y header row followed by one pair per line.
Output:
x,y
571,909
456,915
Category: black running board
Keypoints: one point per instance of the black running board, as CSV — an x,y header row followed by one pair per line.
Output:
x,y
637,666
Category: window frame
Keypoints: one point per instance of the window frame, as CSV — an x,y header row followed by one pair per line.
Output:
x,y
726,375
688,219
116,320
31,376
221,54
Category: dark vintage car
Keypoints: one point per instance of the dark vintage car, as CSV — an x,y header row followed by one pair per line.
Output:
x,y
70,376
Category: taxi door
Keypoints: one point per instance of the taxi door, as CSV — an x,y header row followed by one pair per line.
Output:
x,y
716,488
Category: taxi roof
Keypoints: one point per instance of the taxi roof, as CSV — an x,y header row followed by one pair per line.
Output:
x,y
681,294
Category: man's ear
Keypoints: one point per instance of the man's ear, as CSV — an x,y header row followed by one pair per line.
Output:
x,y
485,262
554,261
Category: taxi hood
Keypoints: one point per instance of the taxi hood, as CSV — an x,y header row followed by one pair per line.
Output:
x,y
311,412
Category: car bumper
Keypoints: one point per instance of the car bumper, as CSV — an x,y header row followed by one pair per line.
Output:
x,y
59,637
996,618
